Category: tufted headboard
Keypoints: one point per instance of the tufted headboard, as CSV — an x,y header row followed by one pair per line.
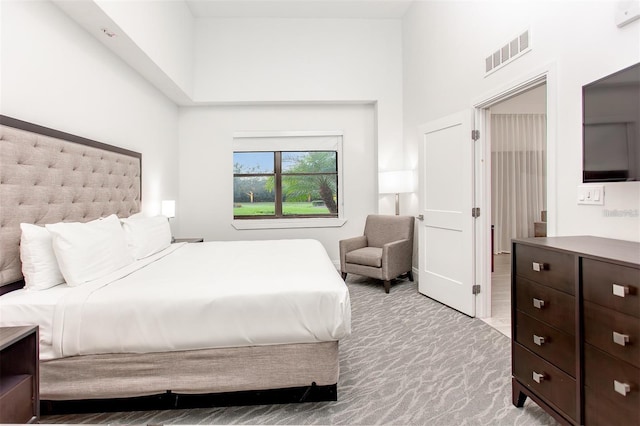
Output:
x,y
48,176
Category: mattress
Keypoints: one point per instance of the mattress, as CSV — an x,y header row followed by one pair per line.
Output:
x,y
193,296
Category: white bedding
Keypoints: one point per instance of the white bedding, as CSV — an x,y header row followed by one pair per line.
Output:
x,y
26,307
194,296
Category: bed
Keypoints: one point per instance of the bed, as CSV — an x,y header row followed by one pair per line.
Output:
x,y
206,319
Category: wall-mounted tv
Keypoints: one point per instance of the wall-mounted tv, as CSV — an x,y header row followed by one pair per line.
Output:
x,y
611,127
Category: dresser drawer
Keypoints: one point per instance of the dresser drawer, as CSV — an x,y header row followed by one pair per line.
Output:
x,y
615,333
599,279
599,411
556,387
555,307
554,269
555,346
602,371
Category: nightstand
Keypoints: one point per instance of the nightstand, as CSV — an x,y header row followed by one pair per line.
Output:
x,y
188,240
19,357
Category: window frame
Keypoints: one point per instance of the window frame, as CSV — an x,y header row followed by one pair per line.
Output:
x,y
291,141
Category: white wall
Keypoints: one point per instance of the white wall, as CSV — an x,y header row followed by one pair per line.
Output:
x,y
53,73
205,205
325,67
164,30
307,61
444,46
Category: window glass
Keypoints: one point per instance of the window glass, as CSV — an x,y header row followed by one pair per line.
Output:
x,y
253,162
309,162
252,197
309,195
285,184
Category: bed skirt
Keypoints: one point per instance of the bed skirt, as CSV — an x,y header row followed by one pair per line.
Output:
x,y
189,372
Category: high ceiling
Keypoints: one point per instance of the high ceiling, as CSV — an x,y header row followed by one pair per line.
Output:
x,y
358,9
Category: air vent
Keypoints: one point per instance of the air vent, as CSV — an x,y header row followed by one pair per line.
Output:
x,y
517,47
505,53
496,59
489,64
514,46
524,40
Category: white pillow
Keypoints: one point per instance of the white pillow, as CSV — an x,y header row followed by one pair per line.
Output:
x,y
136,215
146,235
39,263
88,251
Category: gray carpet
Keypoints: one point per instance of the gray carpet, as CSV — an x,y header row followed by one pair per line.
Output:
x,y
409,361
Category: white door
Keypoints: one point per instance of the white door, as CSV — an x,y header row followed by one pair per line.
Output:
x,y
446,233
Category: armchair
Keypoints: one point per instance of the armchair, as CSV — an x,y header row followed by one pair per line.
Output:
x,y
384,252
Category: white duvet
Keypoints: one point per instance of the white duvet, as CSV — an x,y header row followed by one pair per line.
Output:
x,y
194,296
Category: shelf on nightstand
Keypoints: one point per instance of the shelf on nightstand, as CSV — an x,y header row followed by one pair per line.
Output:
x,y
19,396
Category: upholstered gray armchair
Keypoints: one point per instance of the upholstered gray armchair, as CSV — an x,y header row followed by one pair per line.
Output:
x,y
385,251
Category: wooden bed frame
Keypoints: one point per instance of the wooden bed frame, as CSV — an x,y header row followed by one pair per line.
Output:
x,y
48,176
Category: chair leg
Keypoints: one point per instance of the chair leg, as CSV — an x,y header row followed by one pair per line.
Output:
x,y
410,274
387,286
344,276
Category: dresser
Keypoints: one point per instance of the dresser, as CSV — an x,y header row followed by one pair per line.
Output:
x,y
575,316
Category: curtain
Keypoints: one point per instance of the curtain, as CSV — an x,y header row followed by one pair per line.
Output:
x,y
518,176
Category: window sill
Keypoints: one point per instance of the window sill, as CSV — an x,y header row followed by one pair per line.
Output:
x,y
325,222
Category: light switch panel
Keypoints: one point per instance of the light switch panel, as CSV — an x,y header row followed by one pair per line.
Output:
x,y
591,194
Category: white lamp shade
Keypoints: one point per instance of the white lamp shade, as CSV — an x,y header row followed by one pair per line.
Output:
x,y
395,182
169,208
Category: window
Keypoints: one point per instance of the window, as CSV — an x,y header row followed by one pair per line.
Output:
x,y
287,179
285,184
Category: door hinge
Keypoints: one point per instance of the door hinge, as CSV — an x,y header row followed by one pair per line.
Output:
x,y
475,212
475,289
475,135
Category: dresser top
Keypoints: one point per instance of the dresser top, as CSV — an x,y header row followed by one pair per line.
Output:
x,y
595,247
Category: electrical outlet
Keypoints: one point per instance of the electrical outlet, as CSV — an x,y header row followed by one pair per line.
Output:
x,y
591,194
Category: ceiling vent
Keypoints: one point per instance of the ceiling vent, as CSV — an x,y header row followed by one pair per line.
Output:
x,y
513,49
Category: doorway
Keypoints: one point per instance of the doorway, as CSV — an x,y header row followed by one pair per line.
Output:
x,y
517,144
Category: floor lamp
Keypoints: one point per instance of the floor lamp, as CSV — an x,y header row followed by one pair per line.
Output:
x,y
396,182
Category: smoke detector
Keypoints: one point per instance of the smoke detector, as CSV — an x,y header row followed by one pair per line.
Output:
x,y
108,32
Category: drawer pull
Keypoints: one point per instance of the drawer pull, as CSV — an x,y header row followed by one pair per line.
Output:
x,y
622,388
620,290
620,339
540,266
538,340
538,303
539,377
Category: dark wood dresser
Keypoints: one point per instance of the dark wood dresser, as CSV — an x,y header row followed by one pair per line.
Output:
x,y
575,317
